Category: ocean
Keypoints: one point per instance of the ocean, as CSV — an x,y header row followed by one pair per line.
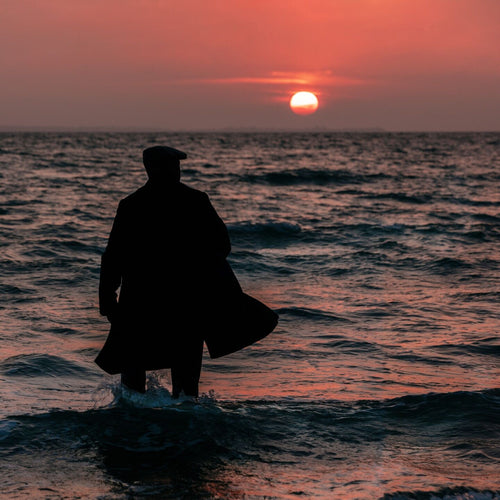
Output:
x,y
379,251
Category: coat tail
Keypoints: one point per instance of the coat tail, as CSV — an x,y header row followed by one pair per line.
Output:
x,y
248,321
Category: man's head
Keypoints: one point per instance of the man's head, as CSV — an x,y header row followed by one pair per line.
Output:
x,y
163,163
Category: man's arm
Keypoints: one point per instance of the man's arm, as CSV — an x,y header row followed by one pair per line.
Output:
x,y
110,278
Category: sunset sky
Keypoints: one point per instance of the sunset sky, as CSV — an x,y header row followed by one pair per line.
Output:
x,y
219,64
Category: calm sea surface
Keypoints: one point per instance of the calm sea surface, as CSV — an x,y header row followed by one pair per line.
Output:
x,y
382,380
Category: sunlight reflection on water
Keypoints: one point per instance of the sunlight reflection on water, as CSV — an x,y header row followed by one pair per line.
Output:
x,y
378,250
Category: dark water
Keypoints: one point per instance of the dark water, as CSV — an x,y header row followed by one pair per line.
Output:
x,y
382,380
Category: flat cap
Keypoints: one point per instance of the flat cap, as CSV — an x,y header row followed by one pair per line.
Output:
x,y
160,154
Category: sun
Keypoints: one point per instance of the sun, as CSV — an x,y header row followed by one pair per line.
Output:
x,y
304,103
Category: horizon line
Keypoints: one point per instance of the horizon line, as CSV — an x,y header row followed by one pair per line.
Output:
x,y
111,129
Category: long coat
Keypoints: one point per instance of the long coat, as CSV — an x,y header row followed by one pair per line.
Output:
x,y
167,253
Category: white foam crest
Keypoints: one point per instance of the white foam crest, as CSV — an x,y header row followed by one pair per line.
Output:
x,y
156,396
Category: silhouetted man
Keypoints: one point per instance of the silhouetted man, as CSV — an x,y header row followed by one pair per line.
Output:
x,y
167,252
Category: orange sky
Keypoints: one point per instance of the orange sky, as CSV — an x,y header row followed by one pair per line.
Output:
x,y
208,64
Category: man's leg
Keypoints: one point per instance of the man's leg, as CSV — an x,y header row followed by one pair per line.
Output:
x,y
187,369
134,379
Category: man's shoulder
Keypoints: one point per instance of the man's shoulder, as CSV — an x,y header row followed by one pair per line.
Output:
x,y
192,192
135,197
